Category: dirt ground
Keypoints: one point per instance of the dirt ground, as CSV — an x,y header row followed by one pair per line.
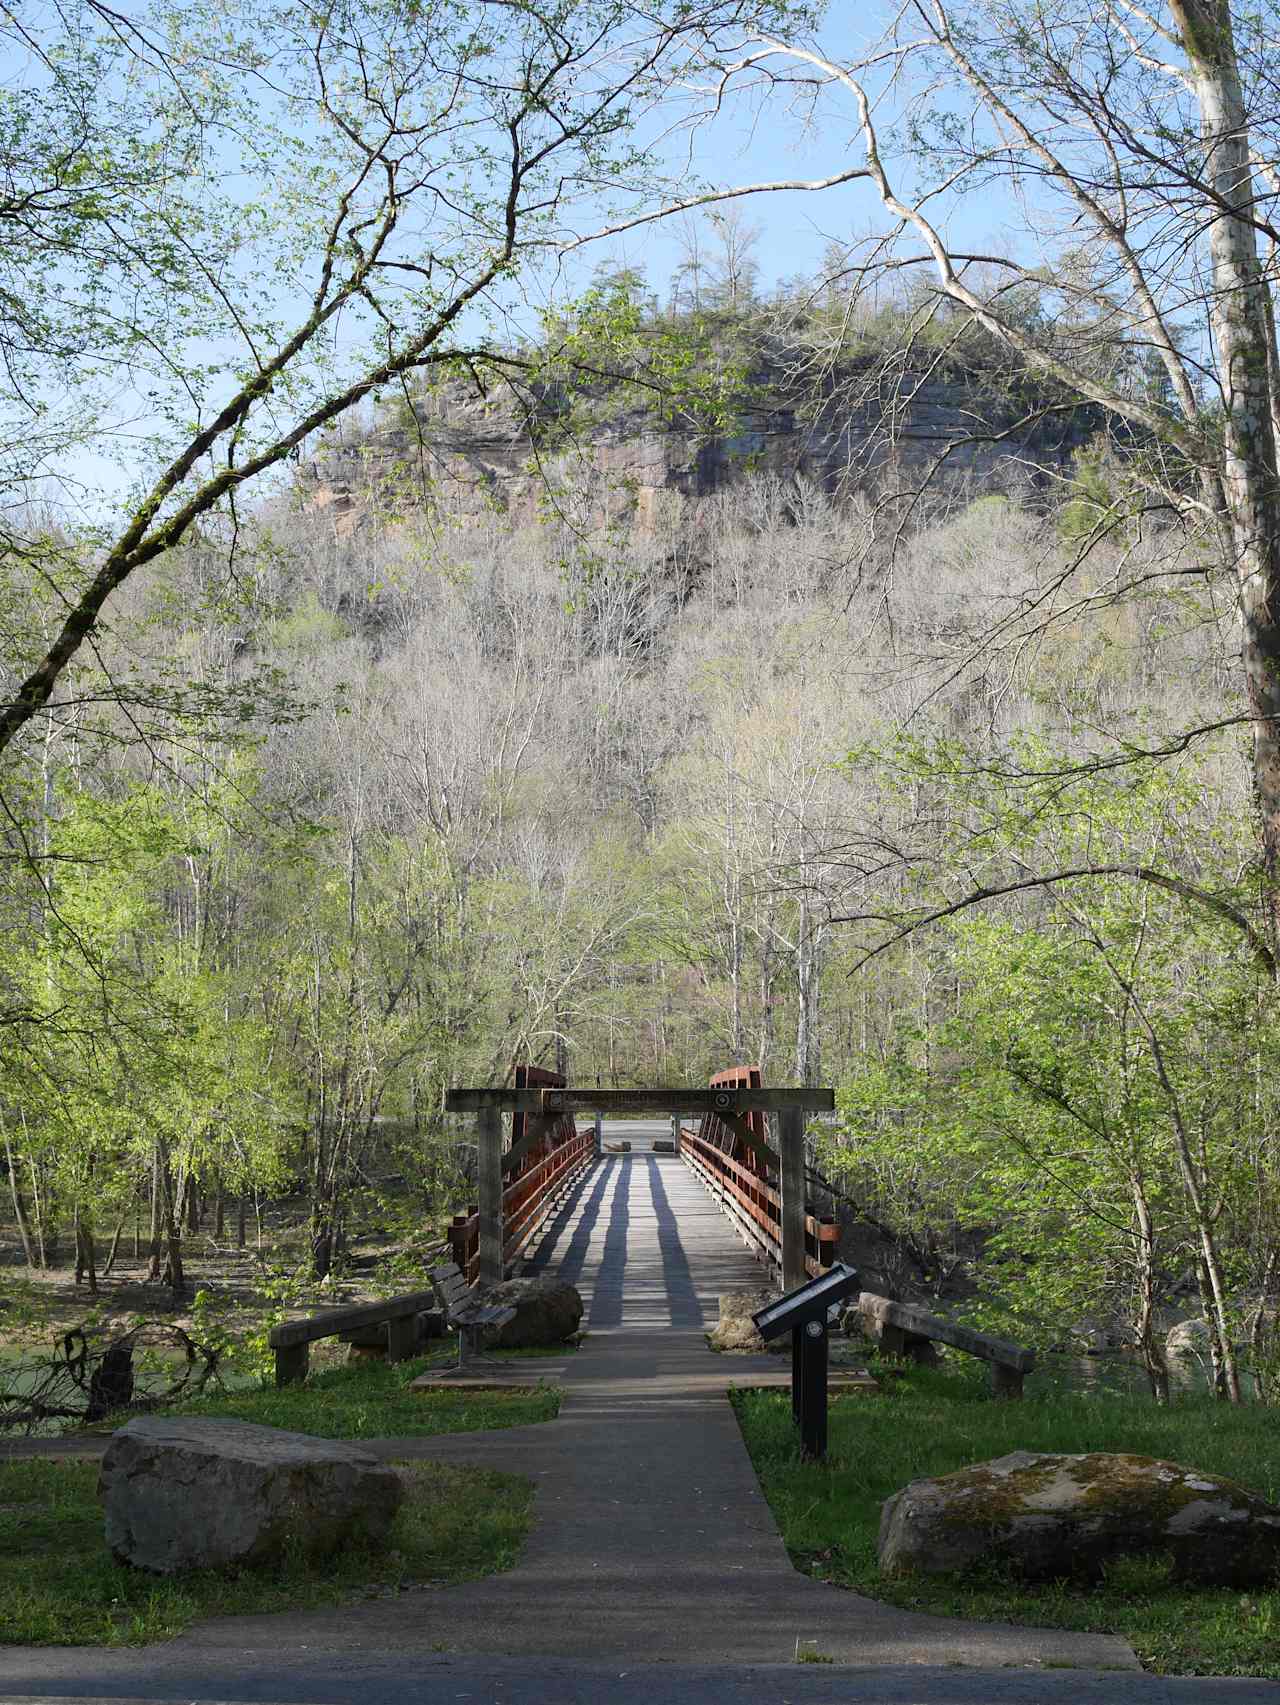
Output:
x,y
37,1307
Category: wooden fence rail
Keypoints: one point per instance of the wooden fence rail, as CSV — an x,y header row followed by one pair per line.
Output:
x,y
905,1330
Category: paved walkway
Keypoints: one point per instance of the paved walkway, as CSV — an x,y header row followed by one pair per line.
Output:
x,y
652,1543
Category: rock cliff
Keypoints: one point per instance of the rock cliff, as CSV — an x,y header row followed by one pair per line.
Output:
x,y
865,432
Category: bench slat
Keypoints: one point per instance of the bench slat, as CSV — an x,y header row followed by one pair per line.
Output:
x,y
330,1321
481,1316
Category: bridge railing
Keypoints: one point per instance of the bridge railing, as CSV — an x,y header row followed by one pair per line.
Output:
x,y
541,1176
738,1177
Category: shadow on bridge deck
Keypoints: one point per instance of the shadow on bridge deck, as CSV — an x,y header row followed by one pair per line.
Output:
x,y
646,1246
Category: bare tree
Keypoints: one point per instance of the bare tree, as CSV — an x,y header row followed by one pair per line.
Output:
x,y
1135,145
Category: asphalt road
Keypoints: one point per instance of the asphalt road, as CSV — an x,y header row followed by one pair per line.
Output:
x,y
328,1679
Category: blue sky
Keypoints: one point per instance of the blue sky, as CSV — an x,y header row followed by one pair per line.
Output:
x,y
742,146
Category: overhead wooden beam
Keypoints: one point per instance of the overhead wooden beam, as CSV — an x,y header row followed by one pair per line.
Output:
x,y
659,1100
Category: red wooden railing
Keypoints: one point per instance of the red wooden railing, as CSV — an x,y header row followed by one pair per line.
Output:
x,y
543,1174
745,1186
529,1197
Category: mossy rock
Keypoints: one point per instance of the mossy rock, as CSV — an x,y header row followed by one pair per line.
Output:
x,y
1048,1517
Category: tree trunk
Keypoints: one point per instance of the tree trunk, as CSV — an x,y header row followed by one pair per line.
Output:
x,y
153,1268
19,1206
1239,310
86,1268
1262,1329
809,944
1149,1346
115,1246
168,1234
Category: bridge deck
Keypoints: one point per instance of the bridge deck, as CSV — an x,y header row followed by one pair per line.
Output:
x,y
645,1244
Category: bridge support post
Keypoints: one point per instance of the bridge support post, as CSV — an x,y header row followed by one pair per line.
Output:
x,y
599,1129
489,1190
791,1180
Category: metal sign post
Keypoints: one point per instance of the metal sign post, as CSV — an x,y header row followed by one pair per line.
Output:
x,y
803,1313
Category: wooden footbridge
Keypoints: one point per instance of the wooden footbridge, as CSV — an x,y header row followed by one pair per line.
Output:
x,y
646,1235
755,1175
642,1241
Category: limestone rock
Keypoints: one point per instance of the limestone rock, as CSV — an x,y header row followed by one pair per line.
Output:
x,y
548,1311
192,1493
1047,1517
735,1329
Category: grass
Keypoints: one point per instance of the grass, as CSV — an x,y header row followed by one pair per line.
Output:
x,y
933,1422
370,1400
59,1585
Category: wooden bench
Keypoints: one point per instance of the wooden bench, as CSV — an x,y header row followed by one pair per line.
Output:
x,y
466,1311
904,1330
292,1340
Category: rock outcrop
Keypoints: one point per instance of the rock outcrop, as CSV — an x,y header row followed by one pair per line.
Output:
x,y
866,432
548,1311
190,1493
1047,1517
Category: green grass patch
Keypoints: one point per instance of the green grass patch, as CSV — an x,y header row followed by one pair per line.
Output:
x,y
59,1585
932,1422
371,1400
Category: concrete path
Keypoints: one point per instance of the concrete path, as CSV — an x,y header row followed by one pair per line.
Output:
x,y
652,1542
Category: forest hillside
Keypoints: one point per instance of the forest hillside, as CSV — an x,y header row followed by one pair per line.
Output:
x,y
639,738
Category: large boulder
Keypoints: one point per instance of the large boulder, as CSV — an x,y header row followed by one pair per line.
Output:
x,y
190,1493
370,1342
1189,1340
1046,1517
548,1311
735,1330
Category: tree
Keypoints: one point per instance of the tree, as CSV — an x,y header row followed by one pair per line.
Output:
x,y
1137,143
1095,1104
312,207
